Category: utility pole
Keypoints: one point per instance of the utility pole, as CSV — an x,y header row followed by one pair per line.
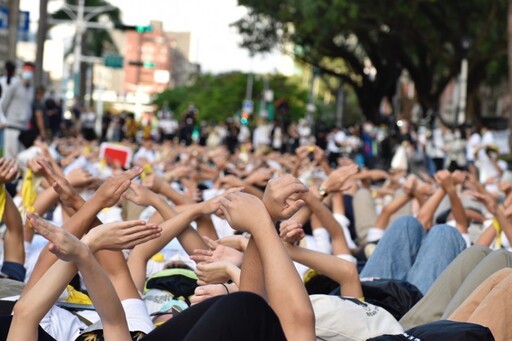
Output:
x,y
12,36
41,37
80,16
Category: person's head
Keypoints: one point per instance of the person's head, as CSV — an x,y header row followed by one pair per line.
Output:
x,y
40,91
27,75
10,68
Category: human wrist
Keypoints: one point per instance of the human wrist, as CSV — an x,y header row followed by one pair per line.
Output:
x,y
85,252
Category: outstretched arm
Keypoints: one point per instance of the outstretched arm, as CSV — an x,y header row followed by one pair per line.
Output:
x,y
14,249
73,253
448,182
267,255
107,195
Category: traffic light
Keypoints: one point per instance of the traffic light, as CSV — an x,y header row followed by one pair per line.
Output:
x,y
149,65
144,64
138,28
244,119
144,28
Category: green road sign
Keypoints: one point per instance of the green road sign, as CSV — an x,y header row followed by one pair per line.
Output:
x,y
114,61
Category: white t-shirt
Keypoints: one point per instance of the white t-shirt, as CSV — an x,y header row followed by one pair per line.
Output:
x,y
472,145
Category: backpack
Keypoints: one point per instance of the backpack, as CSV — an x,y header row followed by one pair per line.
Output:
x,y
443,330
179,283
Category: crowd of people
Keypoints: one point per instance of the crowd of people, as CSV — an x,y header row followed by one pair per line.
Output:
x,y
236,237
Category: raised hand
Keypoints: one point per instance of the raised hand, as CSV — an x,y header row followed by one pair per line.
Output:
x,y
282,197
229,181
213,205
487,199
291,231
61,243
204,292
303,151
8,170
444,178
459,177
217,252
178,172
35,167
259,177
109,193
211,273
79,178
335,181
505,187
243,211
68,196
153,182
121,235
237,242
319,154
140,195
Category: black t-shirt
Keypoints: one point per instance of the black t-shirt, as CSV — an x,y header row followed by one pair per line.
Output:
x,y
37,105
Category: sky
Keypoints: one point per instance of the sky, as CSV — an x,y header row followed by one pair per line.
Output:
x,y
214,43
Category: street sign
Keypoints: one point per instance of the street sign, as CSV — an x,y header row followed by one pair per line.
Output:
x,y
114,61
24,21
4,17
248,106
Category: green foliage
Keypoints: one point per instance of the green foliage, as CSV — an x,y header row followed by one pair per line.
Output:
x,y
220,96
423,36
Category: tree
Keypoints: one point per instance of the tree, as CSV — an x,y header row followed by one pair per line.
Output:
x,y
220,96
95,42
375,40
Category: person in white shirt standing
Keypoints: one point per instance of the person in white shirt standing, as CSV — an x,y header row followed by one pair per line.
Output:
x,y
472,145
6,82
17,107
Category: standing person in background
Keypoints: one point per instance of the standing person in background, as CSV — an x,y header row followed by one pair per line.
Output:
x,y
105,122
17,107
187,125
455,151
54,114
6,82
437,146
88,123
39,119
294,137
474,140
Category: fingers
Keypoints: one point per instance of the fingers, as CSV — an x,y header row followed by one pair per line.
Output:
x,y
48,171
212,244
292,208
42,226
131,173
142,237
8,169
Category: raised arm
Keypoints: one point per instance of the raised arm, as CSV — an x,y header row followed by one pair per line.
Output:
x,y
73,253
267,255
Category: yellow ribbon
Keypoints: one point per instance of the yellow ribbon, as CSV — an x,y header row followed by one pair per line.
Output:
x,y
75,296
158,257
29,191
28,194
146,170
3,198
497,227
103,164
